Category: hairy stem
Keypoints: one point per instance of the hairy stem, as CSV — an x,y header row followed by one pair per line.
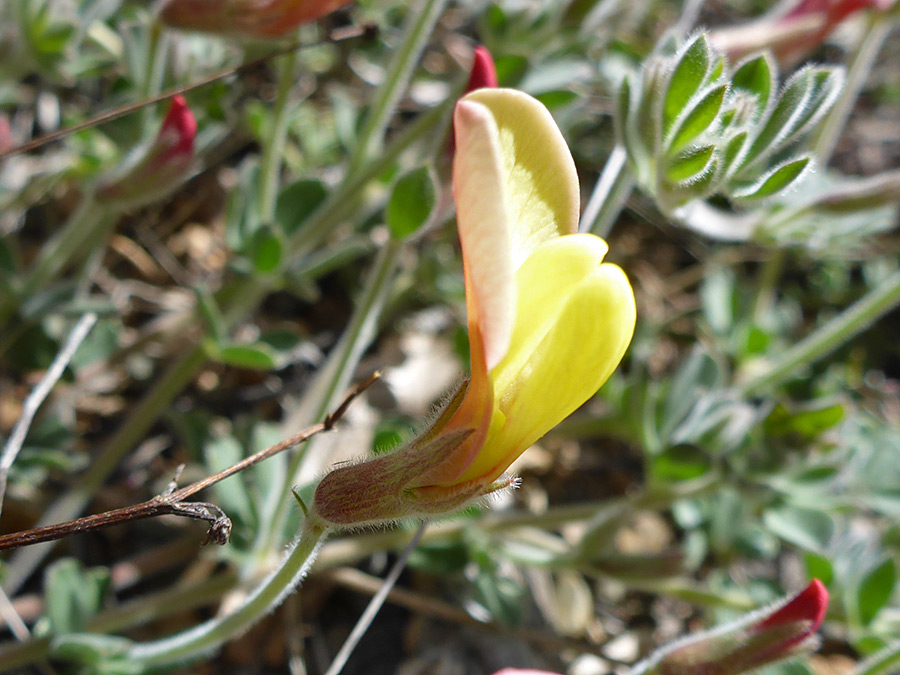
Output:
x,y
207,637
272,152
834,333
419,26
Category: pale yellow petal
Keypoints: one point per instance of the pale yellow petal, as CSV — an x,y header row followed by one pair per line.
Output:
x,y
541,184
484,231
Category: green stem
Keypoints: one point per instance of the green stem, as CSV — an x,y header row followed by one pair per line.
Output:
x,y
610,194
273,149
881,661
155,62
419,26
846,325
861,66
266,597
349,551
767,288
342,200
332,380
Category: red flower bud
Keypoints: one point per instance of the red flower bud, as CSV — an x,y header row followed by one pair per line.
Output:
x,y
757,640
161,167
484,73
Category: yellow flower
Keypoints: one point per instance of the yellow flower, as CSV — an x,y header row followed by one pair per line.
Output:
x,y
548,320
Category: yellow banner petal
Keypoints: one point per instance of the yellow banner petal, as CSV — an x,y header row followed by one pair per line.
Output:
x,y
484,232
541,184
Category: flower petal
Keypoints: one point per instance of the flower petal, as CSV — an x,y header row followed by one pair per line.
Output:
x,y
567,342
542,199
516,188
484,232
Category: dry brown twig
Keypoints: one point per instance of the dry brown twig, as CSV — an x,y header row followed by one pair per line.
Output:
x,y
338,35
172,500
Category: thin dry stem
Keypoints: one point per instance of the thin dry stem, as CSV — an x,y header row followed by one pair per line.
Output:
x,y
172,501
338,35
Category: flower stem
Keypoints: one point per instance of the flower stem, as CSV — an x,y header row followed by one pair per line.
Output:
x,y
333,378
272,154
247,295
836,332
881,661
861,65
419,27
610,194
266,597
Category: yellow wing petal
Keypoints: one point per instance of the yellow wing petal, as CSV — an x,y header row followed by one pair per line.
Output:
x,y
578,334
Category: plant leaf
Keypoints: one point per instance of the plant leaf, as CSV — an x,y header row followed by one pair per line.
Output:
x,y
775,181
698,119
755,76
685,80
690,165
875,591
411,203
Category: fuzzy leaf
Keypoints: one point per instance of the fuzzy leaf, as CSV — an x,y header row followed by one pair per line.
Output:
x,y
791,106
755,77
686,79
690,164
733,150
698,120
74,594
826,87
647,123
810,530
776,180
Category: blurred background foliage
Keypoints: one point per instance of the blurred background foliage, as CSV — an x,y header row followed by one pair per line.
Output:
x,y
750,441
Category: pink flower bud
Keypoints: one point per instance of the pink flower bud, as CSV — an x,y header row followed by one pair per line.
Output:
x,y
759,639
484,73
245,18
159,169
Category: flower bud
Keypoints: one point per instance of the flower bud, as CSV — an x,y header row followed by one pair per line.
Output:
x,y
484,72
161,167
245,18
759,639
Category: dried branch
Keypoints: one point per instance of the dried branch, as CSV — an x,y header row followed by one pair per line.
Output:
x,y
338,35
34,400
172,501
